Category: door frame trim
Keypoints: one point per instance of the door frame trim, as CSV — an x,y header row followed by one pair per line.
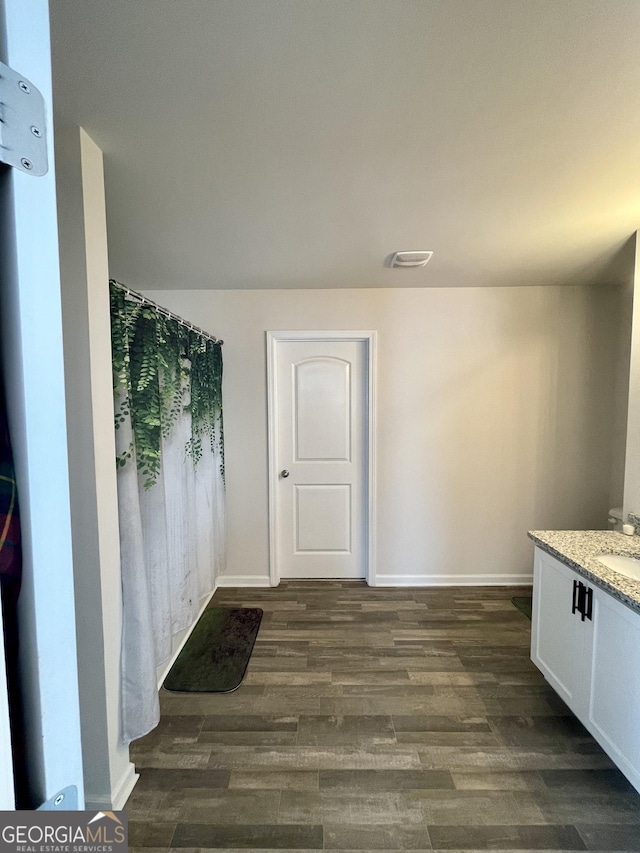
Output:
x,y
370,340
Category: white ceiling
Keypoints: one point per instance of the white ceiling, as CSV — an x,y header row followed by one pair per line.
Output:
x,y
298,143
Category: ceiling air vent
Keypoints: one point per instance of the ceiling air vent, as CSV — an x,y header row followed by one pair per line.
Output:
x,y
410,259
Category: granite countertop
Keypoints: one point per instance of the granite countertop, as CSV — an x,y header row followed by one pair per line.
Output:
x,y
579,548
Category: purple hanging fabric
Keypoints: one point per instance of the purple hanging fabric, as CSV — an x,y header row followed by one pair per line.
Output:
x,y
10,543
10,580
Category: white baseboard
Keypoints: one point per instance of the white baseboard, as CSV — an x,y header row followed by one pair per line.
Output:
x,y
454,580
124,787
119,795
399,580
187,633
244,580
131,777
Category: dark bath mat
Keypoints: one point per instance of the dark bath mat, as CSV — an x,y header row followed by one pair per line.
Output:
x,y
524,604
215,656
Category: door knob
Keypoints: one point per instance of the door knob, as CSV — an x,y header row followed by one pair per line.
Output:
x,y
284,473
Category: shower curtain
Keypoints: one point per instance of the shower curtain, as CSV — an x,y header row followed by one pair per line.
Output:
x,y
169,444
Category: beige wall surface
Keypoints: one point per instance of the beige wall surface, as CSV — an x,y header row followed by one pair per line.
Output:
x,y
108,772
622,338
495,415
632,462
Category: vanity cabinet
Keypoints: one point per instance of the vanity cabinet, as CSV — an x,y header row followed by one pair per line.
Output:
x,y
587,645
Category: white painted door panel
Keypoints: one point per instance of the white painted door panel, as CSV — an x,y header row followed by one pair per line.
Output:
x,y
321,410
321,405
557,634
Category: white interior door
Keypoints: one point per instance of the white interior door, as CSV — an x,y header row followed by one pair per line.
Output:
x,y
320,391
32,362
7,801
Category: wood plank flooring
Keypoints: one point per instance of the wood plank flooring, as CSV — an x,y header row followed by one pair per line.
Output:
x,y
379,720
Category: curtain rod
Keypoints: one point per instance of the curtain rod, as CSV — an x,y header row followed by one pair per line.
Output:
x,y
134,296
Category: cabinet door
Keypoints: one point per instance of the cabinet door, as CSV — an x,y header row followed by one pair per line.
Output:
x,y
613,714
557,634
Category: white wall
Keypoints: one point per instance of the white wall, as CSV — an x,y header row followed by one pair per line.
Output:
x,y
632,462
623,340
33,370
108,532
109,775
494,417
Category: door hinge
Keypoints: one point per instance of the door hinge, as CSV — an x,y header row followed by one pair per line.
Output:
x,y
23,134
65,800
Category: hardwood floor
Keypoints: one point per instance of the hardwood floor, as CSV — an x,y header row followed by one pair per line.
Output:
x,y
379,719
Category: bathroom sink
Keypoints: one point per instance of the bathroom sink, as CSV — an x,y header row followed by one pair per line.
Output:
x,y
627,566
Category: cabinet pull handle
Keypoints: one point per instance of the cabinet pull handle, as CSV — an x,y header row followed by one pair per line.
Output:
x,y
574,604
582,600
589,604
